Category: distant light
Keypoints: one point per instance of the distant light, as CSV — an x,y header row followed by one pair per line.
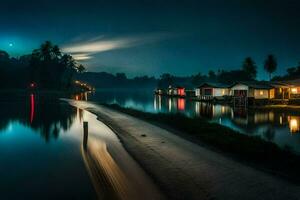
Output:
x,y
11,44
32,85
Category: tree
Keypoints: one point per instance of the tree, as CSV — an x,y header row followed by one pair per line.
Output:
x,y
121,76
165,80
249,67
46,51
80,69
212,75
3,56
198,79
270,65
233,76
52,69
291,71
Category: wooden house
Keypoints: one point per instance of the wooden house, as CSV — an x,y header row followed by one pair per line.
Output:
x,y
176,91
212,91
253,90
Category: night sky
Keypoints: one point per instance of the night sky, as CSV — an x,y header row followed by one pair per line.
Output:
x,y
152,37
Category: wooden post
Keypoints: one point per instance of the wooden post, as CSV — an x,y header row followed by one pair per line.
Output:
x,y
85,134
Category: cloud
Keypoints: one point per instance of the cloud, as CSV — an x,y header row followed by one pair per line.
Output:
x,y
81,56
83,50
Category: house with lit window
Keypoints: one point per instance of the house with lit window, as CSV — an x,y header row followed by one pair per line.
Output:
x,y
281,90
252,90
287,90
159,91
208,91
294,88
178,91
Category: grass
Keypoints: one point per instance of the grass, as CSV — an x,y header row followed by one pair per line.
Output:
x,y
253,150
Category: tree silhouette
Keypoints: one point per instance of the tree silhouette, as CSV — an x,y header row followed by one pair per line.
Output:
x,y
52,69
270,65
198,79
212,75
165,80
81,68
249,67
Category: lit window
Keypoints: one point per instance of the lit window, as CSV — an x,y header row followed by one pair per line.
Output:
x,y
261,92
223,92
294,90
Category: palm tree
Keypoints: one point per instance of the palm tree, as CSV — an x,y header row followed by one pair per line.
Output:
x,y
56,52
52,69
68,61
249,67
270,65
46,51
80,68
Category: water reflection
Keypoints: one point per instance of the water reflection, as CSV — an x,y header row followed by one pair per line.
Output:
x,y
280,127
294,124
47,117
32,105
83,96
115,175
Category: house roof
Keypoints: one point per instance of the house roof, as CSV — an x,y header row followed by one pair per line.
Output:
x,y
279,84
255,84
295,82
176,87
286,84
214,85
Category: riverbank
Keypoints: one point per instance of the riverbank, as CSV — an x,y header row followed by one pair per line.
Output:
x,y
185,170
278,107
251,150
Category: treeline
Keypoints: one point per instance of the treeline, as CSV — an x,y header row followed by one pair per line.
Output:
x,y
292,73
47,67
247,72
118,80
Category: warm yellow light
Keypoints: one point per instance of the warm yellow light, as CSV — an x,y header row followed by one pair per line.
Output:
x,y
261,92
280,120
294,90
294,125
223,92
223,109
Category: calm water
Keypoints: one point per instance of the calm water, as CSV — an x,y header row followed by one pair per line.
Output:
x,y
280,127
43,156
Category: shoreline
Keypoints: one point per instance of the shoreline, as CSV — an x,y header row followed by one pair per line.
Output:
x,y
194,171
252,151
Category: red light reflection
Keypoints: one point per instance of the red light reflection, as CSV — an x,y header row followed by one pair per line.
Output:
x,y
32,104
181,104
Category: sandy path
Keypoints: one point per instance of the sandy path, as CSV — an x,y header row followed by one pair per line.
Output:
x,y
185,170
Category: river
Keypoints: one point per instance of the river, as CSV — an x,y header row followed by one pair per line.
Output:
x,y
281,127
44,154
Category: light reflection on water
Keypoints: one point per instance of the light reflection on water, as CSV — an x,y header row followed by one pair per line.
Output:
x,y
281,127
41,155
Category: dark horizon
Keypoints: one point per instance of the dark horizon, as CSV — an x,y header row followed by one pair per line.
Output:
x,y
152,37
